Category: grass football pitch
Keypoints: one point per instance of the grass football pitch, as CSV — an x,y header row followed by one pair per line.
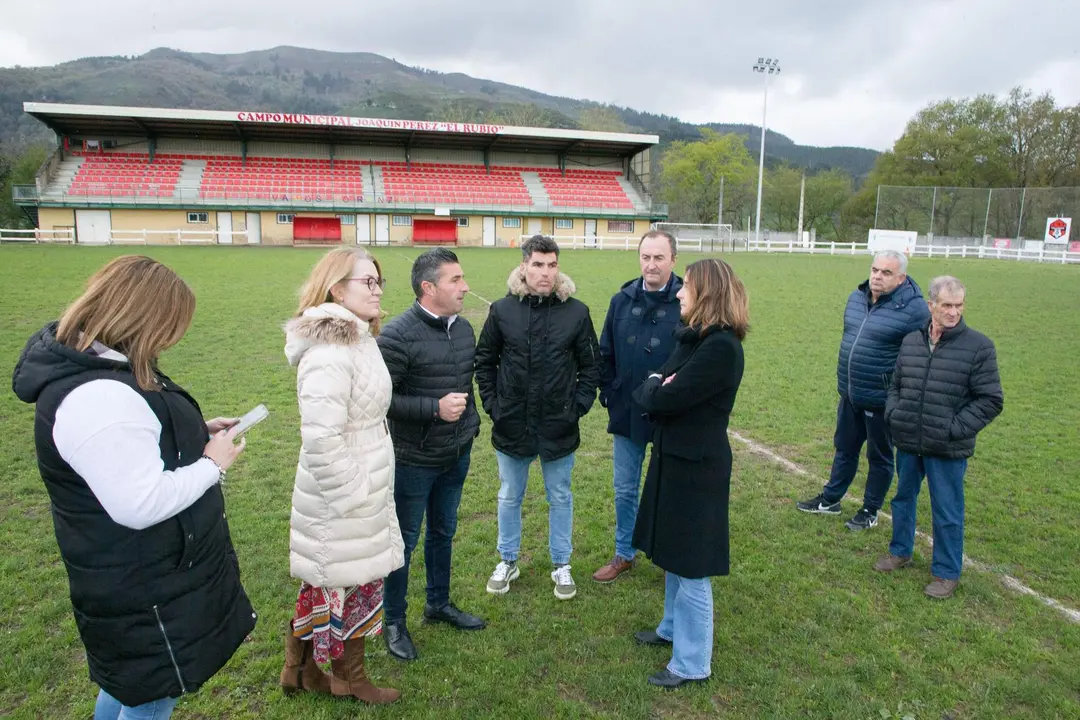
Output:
x,y
803,627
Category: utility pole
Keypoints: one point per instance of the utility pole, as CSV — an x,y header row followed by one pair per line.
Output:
x,y
720,212
802,204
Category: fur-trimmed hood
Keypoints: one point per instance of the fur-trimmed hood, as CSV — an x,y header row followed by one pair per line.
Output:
x,y
326,324
563,288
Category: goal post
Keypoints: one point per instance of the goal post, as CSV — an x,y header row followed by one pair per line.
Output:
x,y
699,237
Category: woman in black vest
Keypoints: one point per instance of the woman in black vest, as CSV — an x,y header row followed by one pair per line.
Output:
x,y
135,489
682,522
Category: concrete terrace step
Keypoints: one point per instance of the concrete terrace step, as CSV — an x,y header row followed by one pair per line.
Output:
x,y
190,179
536,189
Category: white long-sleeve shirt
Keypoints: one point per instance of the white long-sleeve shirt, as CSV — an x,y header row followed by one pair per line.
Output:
x,y
109,435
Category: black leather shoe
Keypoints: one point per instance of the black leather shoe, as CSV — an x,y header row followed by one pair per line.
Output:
x,y
666,680
649,637
452,616
398,642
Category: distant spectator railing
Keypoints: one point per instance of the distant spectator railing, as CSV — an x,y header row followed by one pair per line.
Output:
x,y
612,242
62,235
1055,254
628,242
24,192
1060,254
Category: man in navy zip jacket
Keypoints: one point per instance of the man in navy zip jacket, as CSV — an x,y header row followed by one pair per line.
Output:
x,y
879,313
638,337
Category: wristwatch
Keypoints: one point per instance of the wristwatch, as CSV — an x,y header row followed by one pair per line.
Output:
x,y
221,472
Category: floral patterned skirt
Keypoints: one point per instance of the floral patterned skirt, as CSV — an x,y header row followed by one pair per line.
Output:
x,y
330,616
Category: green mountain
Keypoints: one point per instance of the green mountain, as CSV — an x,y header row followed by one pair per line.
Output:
x,y
361,84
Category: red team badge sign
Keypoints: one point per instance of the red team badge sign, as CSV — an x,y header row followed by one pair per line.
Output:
x,y
1057,230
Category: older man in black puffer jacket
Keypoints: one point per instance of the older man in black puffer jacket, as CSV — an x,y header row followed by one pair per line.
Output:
x,y
945,390
429,350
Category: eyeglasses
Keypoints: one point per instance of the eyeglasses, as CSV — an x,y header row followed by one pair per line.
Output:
x,y
371,282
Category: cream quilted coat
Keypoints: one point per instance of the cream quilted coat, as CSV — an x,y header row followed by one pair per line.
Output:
x,y
344,524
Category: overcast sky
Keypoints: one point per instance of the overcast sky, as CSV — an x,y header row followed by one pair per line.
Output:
x,y
852,71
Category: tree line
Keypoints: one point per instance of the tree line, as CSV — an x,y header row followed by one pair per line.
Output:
x,y
1021,140
17,167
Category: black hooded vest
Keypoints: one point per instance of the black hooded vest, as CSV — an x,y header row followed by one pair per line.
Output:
x,y
159,610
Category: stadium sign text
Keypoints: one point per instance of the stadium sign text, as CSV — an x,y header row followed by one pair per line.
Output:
x,y
377,123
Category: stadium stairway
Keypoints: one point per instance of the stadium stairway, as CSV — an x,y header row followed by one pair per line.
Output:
x,y
60,182
377,184
536,189
640,205
191,174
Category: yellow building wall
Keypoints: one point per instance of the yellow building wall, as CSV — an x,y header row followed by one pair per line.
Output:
x,y
473,235
578,228
348,233
602,228
239,226
402,234
53,218
161,226
272,232
508,236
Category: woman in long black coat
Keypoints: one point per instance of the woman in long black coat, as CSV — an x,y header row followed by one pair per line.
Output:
x,y
682,522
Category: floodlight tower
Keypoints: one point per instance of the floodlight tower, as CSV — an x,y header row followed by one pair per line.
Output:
x,y
767,67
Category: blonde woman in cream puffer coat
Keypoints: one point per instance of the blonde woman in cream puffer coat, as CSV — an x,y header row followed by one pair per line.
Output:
x,y
344,535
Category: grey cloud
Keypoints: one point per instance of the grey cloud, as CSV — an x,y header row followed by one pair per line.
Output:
x,y
675,60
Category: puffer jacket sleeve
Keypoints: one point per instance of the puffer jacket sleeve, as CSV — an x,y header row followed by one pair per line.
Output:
x,y
415,409
324,388
986,396
589,363
486,361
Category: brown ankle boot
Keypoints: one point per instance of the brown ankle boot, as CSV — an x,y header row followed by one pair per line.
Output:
x,y
301,672
349,678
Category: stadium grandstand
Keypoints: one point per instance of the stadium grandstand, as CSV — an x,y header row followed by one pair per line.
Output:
x,y
124,174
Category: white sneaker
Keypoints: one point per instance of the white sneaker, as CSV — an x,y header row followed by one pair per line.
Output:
x,y
564,583
505,573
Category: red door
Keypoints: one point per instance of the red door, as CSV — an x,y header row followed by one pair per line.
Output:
x,y
435,232
316,230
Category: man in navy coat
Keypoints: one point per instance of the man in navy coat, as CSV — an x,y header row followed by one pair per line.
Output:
x,y
879,313
637,339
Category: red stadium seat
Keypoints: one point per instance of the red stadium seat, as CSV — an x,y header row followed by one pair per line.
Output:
x,y
452,183
130,174
266,178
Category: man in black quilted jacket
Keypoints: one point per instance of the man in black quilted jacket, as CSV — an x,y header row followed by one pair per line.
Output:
x,y
537,368
945,390
429,350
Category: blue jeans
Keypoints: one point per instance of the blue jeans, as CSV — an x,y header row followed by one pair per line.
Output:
x,y
436,491
945,478
513,475
627,459
854,428
109,708
688,624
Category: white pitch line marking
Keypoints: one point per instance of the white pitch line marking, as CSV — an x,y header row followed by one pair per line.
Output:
x,y
1008,580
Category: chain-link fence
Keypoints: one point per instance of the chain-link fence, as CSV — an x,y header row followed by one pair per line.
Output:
x,y
973,216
